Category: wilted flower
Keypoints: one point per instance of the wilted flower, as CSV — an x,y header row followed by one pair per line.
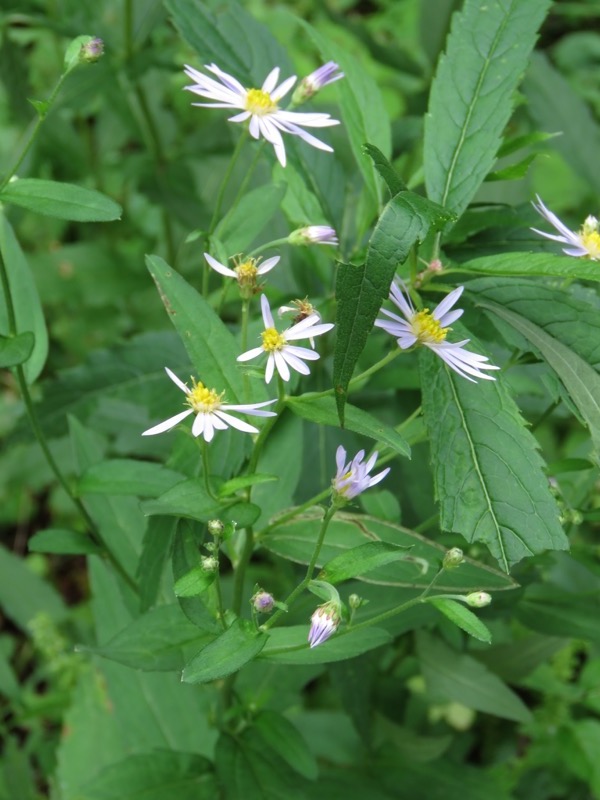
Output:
x,y
209,563
323,623
211,412
353,478
430,329
584,244
314,82
301,309
245,271
313,234
282,354
260,107
478,599
215,527
263,602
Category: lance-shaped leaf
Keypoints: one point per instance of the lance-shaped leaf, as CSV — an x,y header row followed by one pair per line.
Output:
x,y
61,200
462,617
579,378
234,648
360,290
488,474
361,559
472,94
393,181
531,264
15,350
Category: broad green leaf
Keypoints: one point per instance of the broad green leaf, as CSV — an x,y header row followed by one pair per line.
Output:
x,y
522,265
472,95
156,549
364,114
188,538
64,542
190,499
488,473
557,107
15,350
463,617
194,582
127,476
322,410
210,345
235,484
382,504
361,559
61,200
154,776
248,768
579,378
283,737
586,732
23,594
29,316
459,677
295,541
240,227
361,290
555,612
238,645
17,772
290,645
162,640
393,181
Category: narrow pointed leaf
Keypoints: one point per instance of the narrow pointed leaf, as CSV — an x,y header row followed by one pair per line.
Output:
x,y
463,617
393,181
61,200
234,648
63,542
361,559
290,645
16,349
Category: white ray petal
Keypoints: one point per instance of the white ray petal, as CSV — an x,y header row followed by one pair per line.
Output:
x,y
249,354
218,267
176,381
234,422
168,423
282,367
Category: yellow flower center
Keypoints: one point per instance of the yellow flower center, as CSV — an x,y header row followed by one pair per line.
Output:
x,y
202,399
246,272
259,102
591,241
272,340
427,328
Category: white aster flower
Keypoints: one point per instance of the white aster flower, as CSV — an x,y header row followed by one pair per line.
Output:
x,y
260,107
430,329
313,234
353,477
584,244
324,622
245,271
301,309
313,83
211,412
282,354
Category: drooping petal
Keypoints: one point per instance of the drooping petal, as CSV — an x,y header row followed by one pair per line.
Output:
x,y
218,267
234,422
295,363
168,423
249,408
282,367
198,426
209,430
302,352
270,368
250,354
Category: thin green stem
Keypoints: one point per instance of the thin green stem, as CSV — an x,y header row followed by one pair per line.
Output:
x,y
219,599
383,362
128,28
224,183
35,126
309,571
294,512
244,335
240,571
268,245
206,470
249,172
265,430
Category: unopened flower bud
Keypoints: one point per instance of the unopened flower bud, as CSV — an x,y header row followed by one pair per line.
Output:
x,y
314,82
215,527
209,563
263,602
478,599
83,50
92,50
313,234
355,601
453,558
324,622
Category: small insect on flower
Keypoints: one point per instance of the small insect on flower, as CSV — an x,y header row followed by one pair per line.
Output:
x,y
324,622
584,244
430,328
301,309
353,477
282,354
260,107
245,270
211,412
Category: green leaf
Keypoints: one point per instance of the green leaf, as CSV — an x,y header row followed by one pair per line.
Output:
x,y
61,200
555,612
290,645
361,290
161,640
322,410
64,542
451,676
473,92
526,140
382,504
531,264
155,776
579,378
156,548
15,349
283,738
23,594
235,484
295,541
393,181
361,559
463,617
514,172
29,316
557,107
238,645
186,499
210,345
194,582
129,477
244,222
488,474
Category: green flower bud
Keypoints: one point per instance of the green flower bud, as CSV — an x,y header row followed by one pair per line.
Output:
x,y
453,558
209,563
478,599
215,527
